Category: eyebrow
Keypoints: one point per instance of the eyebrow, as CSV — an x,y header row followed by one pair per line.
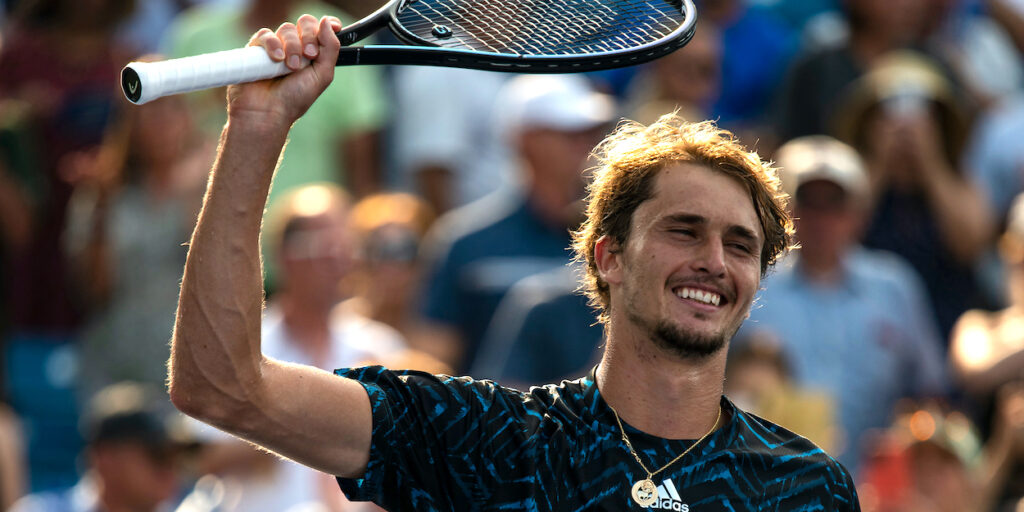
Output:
x,y
692,218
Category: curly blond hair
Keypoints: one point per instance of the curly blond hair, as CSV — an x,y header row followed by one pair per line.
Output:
x,y
628,161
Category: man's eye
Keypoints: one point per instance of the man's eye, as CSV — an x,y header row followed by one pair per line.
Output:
x,y
742,247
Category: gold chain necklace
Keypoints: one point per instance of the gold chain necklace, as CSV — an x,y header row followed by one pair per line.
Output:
x,y
645,493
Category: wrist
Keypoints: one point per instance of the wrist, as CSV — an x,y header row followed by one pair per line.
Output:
x,y
265,122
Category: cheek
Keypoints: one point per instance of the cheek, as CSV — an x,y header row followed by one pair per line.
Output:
x,y
748,280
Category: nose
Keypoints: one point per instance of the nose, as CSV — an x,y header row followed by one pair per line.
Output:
x,y
710,258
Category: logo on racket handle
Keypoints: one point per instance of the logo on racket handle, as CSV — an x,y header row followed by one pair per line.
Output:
x,y
131,84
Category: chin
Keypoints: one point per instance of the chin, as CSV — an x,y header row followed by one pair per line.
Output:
x,y
683,341
688,344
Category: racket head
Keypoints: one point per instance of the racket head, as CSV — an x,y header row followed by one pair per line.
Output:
x,y
547,35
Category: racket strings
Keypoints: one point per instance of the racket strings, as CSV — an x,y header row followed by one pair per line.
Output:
x,y
543,27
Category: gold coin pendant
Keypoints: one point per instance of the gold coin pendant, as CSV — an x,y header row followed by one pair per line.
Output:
x,y
645,493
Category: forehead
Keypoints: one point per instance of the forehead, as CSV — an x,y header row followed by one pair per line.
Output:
x,y
695,189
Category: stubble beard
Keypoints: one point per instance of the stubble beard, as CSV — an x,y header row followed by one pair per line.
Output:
x,y
680,342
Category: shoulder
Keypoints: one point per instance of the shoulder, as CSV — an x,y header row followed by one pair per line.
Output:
x,y
784,456
466,394
883,268
66,500
546,287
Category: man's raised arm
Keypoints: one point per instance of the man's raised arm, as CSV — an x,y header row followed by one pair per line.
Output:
x,y
217,371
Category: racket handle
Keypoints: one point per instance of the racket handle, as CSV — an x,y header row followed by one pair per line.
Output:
x,y
147,81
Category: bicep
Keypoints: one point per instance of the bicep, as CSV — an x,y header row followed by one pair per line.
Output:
x,y
312,417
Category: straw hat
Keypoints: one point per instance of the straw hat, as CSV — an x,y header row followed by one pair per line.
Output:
x,y
901,82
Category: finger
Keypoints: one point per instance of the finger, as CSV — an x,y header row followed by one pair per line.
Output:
x,y
329,46
267,39
308,35
289,35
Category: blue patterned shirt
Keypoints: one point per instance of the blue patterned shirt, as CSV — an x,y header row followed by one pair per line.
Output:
x,y
453,443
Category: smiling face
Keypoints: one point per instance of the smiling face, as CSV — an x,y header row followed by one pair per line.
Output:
x,y
687,274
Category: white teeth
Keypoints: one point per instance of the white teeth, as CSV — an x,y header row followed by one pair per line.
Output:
x,y
700,296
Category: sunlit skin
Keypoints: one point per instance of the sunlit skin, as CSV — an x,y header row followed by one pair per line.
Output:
x,y
698,231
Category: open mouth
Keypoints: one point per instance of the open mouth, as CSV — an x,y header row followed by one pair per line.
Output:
x,y
704,297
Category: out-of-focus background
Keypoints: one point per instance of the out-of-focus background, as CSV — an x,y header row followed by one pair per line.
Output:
x,y
420,219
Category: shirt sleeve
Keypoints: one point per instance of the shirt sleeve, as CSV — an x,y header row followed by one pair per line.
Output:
x,y
439,442
845,494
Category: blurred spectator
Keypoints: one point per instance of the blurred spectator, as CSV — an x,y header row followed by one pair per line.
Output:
x,y
1004,477
59,64
688,79
926,461
976,46
542,331
134,460
12,458
60,61
1009,14
448,145
806,101
480,250
854,322
987,353
759,379
390,228
128,224
309,233
336,140
756,50
19,184
994,157
995,161
907,123
987,349
931,460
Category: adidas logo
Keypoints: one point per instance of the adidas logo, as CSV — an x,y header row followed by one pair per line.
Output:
x,y
668,498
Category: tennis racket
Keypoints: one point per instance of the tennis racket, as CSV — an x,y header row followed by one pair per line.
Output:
x,y
522,36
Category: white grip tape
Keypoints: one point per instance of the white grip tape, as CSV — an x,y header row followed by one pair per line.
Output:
x,y
205,71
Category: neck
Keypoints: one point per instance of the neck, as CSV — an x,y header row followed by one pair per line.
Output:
x,y
550,200
108,502
660,393
866,46
821,269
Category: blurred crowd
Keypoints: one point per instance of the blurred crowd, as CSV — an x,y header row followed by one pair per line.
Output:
x,y
420,218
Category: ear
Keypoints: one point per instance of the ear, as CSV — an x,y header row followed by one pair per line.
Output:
x,y
608,258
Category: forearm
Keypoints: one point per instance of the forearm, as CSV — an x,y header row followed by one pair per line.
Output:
x,y
965,221
216,358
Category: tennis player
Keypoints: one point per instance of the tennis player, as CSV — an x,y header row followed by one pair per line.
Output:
x,y
682,223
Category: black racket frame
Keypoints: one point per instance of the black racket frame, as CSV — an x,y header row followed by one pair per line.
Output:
x,y
423,52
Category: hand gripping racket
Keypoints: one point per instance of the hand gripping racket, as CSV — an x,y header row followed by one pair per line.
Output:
x,y
522,36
